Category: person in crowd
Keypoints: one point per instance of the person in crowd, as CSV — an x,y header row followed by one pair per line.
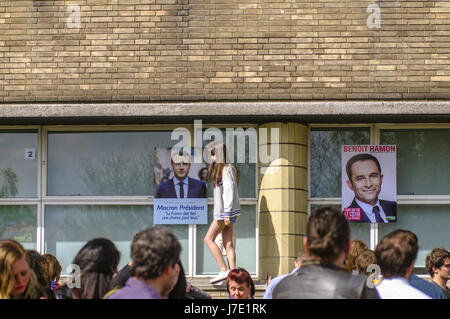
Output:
x,y
427,287
121,277
39,265
320,276
203,174
437,264
181,185
225,178
182,290
365,180
55,269
297,263
97,261
356,248
364,260
396,254
240,284
155,267
17,280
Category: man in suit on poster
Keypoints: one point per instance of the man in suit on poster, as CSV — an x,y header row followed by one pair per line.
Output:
x,y
365,180
181,185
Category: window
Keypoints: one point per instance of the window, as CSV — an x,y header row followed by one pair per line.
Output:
x,y
423,185
325,168
245,229
19,185
62,186
103,163
422,179
18,163
19,222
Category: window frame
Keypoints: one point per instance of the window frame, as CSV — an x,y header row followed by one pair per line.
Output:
x,y
375,134
42,199
32,201
242,200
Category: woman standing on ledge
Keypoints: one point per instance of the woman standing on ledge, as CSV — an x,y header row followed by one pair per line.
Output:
x,y
225,177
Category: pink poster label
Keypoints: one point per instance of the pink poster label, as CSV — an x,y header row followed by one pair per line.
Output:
x,y
353,213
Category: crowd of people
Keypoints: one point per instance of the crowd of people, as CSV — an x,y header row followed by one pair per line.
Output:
x,y
330,266
154,272
338,267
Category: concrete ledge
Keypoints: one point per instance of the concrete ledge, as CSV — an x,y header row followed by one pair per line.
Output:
x,y
200,109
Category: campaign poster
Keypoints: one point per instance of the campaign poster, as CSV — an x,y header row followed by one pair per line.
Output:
x,y
181,196
369,183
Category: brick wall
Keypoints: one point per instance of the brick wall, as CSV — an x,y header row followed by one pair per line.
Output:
x,y
206,50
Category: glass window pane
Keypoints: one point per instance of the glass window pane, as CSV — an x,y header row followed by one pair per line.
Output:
x,y
103,163
326,146
247,169
18,169
245,232
68,228
422,160
430,223
360,231
19,222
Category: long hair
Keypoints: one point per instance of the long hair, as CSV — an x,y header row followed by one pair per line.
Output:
x,y
54,267
10,252
327,233
215,169
97,259
357,247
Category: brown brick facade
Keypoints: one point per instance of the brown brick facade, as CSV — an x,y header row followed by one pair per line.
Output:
x,y
223,50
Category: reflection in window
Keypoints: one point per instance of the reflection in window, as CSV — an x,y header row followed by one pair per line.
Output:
x,y
357,230
68,228
245,232
247,169
422,160
430,223
326,144
103,163
18,164
19,222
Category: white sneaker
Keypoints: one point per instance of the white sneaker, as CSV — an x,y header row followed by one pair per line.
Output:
x,y
220,277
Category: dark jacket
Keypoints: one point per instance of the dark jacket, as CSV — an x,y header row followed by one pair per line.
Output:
x,y
196,189
322,281
63,292
389,208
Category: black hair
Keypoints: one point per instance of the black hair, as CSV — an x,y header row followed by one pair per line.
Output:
x,y
98,259
327,232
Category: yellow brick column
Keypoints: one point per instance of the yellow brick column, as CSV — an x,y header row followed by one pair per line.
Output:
x,y
282,201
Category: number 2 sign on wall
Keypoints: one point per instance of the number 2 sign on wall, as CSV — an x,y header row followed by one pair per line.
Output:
x,y
30,153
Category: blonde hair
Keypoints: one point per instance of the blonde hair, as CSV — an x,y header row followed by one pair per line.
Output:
x,y
357,247
10,252
364,260
215,169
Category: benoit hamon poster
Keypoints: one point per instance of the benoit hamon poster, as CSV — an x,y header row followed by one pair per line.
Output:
x,y
369,183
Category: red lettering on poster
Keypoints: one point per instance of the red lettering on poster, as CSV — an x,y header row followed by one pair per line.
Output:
x,y
352,213
355,148
382,148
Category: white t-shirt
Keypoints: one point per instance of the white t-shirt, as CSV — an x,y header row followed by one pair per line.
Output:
x,y
398,288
